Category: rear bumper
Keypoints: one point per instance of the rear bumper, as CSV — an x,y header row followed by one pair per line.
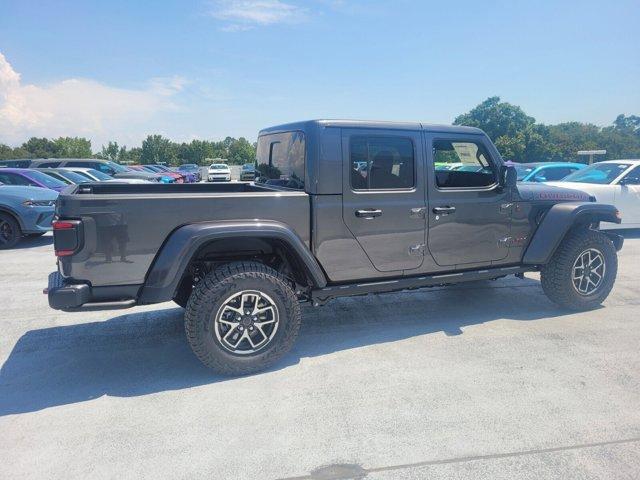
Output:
x,y
73,297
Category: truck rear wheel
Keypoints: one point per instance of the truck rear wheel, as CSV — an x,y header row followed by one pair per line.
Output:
x,y
582,271
242,318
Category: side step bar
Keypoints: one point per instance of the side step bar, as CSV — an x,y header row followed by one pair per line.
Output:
x,y
323,295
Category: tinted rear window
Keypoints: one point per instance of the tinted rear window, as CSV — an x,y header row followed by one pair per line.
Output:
x,y
280,158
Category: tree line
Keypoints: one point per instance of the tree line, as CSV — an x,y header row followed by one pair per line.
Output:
x,y
517,136
154,149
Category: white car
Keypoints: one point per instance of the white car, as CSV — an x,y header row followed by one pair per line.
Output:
x,y
219,172
94,175
615,182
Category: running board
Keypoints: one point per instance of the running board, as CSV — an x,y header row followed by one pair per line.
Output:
x,y
322,295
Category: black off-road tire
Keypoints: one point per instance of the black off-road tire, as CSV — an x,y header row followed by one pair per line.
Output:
x,y
556,276
11,233
209,295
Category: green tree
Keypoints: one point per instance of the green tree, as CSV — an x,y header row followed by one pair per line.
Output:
x,y
41,148
111,151
496,118
156,148
73,147
241,151
6,152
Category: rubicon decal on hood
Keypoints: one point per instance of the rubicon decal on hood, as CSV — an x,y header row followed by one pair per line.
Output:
x,y
551,193
561,195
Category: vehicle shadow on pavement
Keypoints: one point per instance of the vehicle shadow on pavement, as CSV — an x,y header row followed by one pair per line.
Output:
x,y
147,352
33,242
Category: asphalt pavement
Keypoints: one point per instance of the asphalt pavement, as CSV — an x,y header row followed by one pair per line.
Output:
x,y
485,380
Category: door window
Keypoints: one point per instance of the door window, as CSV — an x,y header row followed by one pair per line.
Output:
x,y
632,178
462,164
381,163
49,164
13,179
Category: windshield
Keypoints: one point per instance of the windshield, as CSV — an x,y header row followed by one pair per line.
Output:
x,y
117,167
248,166
218,167
522,171
73,177
188,166
99,175
45,179
600,173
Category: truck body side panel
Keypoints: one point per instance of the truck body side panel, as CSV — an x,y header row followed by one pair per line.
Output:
x,y
125,232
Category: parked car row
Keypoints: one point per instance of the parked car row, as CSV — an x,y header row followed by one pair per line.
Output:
x,y
151,173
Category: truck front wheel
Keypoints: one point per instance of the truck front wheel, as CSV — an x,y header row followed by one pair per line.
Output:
x,y
582,271
242,318
9,231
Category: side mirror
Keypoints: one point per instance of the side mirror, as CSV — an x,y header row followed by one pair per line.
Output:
x,y
508,176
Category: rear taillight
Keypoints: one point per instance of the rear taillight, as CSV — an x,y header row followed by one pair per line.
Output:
x,y
66,237
63,225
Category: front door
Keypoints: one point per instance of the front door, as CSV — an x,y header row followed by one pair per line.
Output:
x,y
383,199
469,213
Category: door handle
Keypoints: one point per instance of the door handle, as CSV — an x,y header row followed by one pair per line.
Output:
x,y
368,213
444,210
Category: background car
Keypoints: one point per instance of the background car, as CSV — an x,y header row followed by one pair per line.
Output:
x,y
187,177
219,172
91,175
191,168
28,177
616,182
248,172
66,176
164,178
24,211
545,171
105,166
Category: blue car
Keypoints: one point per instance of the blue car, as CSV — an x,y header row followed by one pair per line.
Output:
x,y
24,212
545,171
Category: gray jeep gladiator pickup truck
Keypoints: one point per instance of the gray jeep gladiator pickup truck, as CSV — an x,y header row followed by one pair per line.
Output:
x,y
339,208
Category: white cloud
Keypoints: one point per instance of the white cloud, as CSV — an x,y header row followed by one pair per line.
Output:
x,y
245,14
79,107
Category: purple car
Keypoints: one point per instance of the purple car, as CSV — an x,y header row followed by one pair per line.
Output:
x,y
28,177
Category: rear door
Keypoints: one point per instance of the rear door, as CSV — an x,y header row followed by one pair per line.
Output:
x,y
383,200
469,213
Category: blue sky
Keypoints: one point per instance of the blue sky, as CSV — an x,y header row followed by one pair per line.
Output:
x,y
207,69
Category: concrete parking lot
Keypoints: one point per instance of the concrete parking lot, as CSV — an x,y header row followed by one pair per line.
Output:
x,y
486,380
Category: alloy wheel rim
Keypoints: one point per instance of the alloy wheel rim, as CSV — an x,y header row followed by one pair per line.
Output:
x,y
588,271
246,322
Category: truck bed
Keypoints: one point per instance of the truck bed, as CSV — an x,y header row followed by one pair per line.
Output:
x,y
125,225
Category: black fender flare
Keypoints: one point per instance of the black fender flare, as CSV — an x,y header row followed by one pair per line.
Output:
x,y
167,269
558,221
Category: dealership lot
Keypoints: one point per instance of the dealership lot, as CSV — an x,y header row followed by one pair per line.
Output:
x,y
485,380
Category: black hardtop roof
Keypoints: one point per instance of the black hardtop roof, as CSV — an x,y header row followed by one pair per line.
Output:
x,y
309,124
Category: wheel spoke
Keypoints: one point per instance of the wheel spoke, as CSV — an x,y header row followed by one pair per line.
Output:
x,y
233,309
246,322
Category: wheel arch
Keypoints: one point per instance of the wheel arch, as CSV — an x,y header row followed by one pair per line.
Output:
x,y
13,214
190,242
560,220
